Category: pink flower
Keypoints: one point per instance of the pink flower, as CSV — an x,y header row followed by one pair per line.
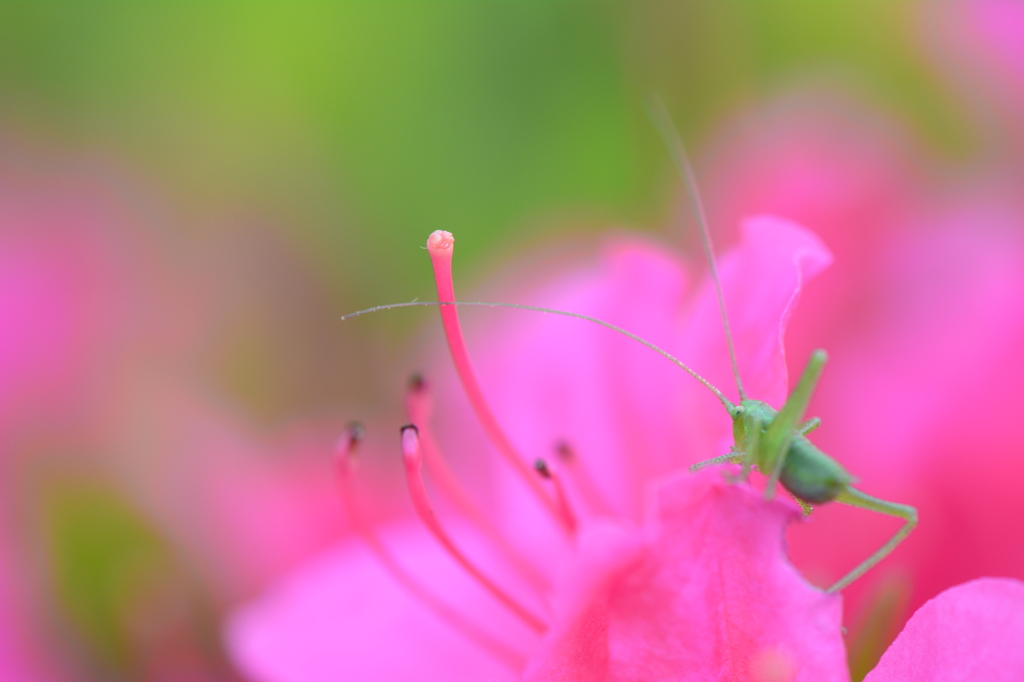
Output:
x,y
921,316
620,565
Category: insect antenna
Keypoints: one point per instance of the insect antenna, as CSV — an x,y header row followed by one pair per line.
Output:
x,y
663,122
664,353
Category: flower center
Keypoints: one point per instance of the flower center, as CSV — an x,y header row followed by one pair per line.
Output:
x,y
420,447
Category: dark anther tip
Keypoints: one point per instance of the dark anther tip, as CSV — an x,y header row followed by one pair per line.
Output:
x,y
542,468
356,431
416,382
409,426
563,450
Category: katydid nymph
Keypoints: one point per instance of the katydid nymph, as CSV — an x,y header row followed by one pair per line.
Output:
x,y
773,442
776,443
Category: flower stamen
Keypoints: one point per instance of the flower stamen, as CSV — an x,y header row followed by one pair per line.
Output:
x,y
564,508
418,407
584,484
345,457
413,459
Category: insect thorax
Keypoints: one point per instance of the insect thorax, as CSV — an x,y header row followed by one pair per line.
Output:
x,y
807,472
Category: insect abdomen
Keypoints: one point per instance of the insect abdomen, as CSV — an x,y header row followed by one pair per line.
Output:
x,y
812,475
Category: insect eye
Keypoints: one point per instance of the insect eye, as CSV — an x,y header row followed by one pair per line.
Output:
x,y
738,411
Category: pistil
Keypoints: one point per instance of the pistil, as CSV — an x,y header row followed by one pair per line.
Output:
x,y
440,246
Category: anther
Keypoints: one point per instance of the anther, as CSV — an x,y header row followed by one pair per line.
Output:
x,y
348,444
412,458
416,383
564,451
345,455
582,481
440,246
564,509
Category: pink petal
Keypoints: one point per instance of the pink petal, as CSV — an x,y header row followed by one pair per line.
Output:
x,y
762,279
552,378
704,594
344,617
974,631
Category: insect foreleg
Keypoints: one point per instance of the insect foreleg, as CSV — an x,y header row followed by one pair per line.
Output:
x,y
732,458
856,498
750,443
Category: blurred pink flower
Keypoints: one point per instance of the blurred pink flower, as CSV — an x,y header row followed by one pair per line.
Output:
x,y
979,44
102,319
66,319
104,322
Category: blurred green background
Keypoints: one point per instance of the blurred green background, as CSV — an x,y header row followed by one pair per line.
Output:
x,y
354,129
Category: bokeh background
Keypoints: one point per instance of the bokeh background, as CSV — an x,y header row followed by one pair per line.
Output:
x,y
191,194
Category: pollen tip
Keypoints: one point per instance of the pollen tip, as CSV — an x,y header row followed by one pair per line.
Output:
x,y
356,432
416,383
440,241
564,450
411,443
348,443
542,468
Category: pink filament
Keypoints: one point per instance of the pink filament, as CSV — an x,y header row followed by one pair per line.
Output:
x,y
413,460
418,408
564,508
440,246
584,484
345,454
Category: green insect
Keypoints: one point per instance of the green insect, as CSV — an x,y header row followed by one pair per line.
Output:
x,y
773,442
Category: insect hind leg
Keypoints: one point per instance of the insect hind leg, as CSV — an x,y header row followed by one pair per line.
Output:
x,y
856,498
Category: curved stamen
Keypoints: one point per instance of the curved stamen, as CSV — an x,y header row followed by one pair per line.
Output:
x,y
440,246
345,462
418,407
413,459
564,508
